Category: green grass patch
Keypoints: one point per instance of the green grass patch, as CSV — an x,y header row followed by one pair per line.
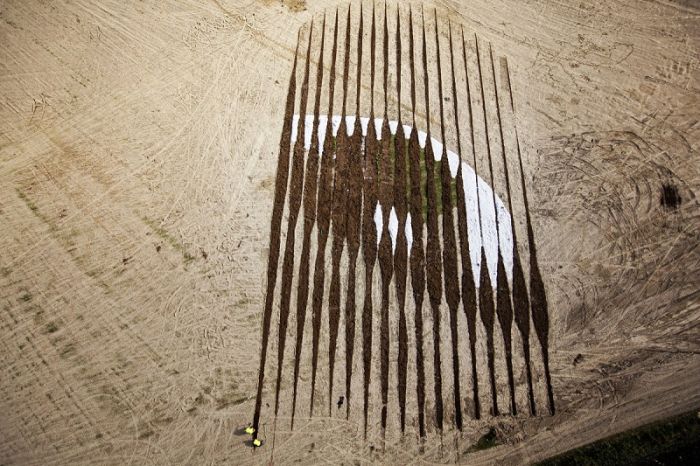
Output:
x,y
437,175
35,209
671,441
30,204
488,440
67,351
167,237
51,327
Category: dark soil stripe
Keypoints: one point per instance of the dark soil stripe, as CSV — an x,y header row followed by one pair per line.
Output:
x,y
310,193
417,254
521,301
369,232
486,304
449,251
538,297
468,285
504,308
401,252
340,189
275,226
385,264
486,310
385,259
386,187
433,260
324,215
296,184
353,222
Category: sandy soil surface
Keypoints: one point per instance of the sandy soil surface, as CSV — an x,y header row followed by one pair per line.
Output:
x,y
138,150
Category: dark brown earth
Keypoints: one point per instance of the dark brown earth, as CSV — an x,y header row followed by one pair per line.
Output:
x,y
417,259
354,225
449,249
296,185
401,252
275,227
310,195
325,197
468,284
340,199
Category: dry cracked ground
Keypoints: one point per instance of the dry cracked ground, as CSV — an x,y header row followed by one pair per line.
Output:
x,y
138,154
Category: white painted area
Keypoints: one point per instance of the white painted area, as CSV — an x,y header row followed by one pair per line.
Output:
x,y
422,136
393,228
336,124
409,233
350,124
364,121
378,222
295,127
393,124
308,129
378,127
488,213
488,219
322,124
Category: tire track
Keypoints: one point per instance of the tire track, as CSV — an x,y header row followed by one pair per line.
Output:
x,y
275,226
310,193
325,196
295,192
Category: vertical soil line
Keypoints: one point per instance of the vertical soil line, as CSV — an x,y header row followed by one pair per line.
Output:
x,y
385,254
449,251
295,191
486,304
504,309
310,192
353,222
275,226
538,297
468,284
369,232
324,215
417,254
340,190
433,261
521,301
401,252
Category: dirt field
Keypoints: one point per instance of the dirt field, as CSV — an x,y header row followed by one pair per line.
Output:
x,y
138,155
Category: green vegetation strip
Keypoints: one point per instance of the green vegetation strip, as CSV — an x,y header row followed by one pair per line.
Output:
x,y
423,176
672,441
488,440
164,235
